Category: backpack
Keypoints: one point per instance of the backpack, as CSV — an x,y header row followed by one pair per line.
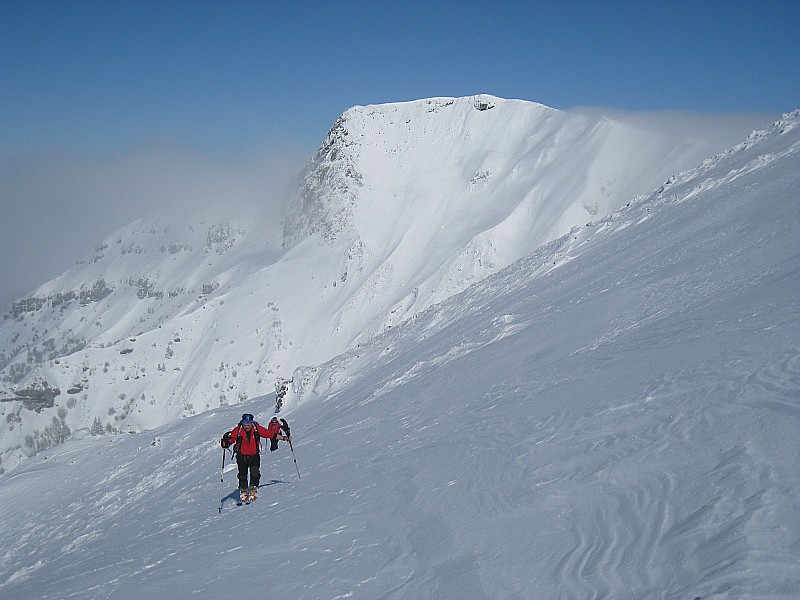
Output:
x,y
226,442
238,442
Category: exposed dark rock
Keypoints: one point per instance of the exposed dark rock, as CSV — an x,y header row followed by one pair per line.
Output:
x,y
94,294
35,398
27,305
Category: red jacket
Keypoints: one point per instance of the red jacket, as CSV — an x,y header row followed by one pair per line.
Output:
x,y
274,428
246,443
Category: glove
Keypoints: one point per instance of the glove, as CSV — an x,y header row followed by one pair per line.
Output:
x,y
225,442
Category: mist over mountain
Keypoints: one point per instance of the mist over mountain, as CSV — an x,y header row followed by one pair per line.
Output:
x,y
403,206
611,412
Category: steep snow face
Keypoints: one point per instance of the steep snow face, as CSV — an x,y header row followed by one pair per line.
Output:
x,y
613,416
404,205
436,194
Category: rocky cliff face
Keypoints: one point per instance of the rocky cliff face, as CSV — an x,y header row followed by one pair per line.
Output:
x,y
327,193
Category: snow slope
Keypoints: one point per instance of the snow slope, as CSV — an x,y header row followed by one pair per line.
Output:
x,y
404,205
614,415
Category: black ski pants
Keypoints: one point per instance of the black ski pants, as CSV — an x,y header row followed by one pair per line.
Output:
x,y
252,464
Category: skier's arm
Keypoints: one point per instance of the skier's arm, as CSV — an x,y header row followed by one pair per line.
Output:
x,y
232,435
226,439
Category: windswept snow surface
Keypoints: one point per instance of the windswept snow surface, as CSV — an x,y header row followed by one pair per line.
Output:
x,y
613,416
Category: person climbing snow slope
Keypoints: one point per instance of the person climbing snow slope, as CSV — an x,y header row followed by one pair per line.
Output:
x,y
246,441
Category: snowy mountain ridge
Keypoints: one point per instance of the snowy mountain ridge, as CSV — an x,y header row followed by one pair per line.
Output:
x,y
612,416
723,169
404,205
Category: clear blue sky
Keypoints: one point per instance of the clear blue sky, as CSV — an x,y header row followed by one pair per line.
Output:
x,y
231,76
110,109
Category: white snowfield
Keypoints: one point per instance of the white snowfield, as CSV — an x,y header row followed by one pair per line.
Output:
x,y
614,415
404,205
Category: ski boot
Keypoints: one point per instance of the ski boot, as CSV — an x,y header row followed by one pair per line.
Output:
x,y
243,495
252,494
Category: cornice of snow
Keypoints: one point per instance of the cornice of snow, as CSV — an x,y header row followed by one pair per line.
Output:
x,y
375,141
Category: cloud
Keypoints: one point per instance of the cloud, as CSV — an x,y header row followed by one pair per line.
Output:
x,y
727,128
58,206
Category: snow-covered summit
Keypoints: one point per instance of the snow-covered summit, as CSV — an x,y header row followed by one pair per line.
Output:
x,y
460,187
403,206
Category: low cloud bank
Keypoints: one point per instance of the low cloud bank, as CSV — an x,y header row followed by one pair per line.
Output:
x,y
727,129
58,206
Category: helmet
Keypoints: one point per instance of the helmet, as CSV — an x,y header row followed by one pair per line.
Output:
x,y
274,420
247,418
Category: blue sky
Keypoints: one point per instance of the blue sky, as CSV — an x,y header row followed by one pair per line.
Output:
x,y
105,107
229,77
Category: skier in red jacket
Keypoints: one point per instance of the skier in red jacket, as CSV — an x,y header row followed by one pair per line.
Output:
x,y
246,438
274,428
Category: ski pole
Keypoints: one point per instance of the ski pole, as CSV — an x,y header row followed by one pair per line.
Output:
x,y
221,477
293,458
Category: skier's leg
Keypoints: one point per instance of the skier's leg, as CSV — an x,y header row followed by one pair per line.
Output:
x,y
241,462
255,471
